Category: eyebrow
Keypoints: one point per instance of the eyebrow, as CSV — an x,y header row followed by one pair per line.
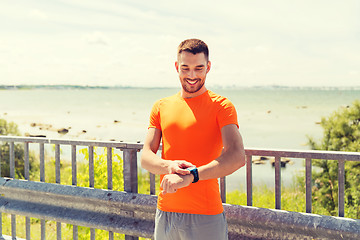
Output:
x,y
197,66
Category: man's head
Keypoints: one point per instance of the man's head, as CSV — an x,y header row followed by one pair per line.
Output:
x,y
192,65
193,46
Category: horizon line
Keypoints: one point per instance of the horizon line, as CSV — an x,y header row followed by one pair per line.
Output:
x,y
59,86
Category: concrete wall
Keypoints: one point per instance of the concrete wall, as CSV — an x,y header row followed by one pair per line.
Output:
x,y
133,214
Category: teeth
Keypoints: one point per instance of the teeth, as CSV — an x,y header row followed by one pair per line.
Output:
x,y
192,82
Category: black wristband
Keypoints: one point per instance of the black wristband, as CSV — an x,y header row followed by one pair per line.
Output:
x,y
195,173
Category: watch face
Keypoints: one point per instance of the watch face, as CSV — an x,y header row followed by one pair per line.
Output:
x,y
191,168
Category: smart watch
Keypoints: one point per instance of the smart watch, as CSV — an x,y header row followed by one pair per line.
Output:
x,y
194,172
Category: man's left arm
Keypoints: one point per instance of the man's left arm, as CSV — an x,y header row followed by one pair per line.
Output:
x,y
231,159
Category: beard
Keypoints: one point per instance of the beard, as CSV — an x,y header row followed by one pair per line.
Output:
x,y
192,89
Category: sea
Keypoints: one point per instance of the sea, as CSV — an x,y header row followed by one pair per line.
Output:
x,y
269,117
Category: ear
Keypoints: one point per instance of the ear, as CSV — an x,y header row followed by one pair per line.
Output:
x,y
208,67
177,66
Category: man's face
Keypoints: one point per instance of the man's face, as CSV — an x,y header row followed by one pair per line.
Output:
x,y
192,69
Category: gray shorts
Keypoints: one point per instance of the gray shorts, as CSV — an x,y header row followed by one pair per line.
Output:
x,y
184,226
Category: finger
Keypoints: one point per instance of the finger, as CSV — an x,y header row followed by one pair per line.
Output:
x,y
186,165
171,190
163,183
182,171
164,191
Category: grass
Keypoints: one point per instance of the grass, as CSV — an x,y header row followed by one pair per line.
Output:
x,y
264,197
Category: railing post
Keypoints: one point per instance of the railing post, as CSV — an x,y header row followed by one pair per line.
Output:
x,y
57,180
109,168
249,180
223,189
277,182
91,167
42,179
341,187
152,184
130,171
91,181
110,179
12,175
74,182
27,177
130,176
308,184
12,159
73,165
57,163
26,161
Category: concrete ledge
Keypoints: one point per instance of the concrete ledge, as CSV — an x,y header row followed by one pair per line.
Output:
x,y
133,214
127,213
255,223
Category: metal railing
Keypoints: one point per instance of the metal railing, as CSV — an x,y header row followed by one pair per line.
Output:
x,y
130,171
341,157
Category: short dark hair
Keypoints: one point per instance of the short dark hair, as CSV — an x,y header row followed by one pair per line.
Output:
x,y
193,46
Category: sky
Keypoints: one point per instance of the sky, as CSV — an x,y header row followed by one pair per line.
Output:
x,y
133,43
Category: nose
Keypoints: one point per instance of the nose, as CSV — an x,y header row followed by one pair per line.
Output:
x,y
191,74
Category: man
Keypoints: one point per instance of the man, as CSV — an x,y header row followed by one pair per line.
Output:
x,y
201,143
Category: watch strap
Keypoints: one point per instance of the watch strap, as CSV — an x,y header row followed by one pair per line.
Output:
x,y
195,173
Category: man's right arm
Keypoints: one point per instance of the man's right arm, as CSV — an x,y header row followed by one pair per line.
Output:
x,y
155,164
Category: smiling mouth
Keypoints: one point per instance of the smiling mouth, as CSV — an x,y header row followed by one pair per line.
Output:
x,y
192,82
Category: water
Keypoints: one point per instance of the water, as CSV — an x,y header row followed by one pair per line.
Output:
x,y
268,118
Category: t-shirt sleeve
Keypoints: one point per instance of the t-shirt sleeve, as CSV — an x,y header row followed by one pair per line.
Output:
x,y
155,116
227,114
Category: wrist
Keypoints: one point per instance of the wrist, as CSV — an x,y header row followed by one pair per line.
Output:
x,y
167,166
194,173
191,177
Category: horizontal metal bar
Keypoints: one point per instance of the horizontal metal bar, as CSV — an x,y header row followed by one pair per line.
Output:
x,y
133,214
313,154
67,142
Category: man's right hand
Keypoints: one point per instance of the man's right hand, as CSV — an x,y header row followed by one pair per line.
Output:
x,y
179,167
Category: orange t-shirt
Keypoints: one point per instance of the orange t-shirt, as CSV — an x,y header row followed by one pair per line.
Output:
x,y
191,131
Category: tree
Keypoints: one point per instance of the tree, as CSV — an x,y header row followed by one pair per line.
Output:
x,y
341,133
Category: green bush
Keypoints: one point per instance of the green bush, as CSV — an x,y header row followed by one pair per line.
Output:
x,y
341,133
11,129
100,169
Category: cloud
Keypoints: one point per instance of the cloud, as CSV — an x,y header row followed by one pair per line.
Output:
x,y
354,73
97,38
37,14
134,43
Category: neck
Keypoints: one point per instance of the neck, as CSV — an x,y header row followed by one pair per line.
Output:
x,y
185,94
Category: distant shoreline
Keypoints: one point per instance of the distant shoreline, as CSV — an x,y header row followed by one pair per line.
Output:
x,y
85,87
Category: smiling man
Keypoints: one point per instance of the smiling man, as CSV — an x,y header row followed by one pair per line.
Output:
x,y
201,143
